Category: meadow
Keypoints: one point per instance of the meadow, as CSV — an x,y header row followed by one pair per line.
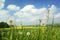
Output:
x,y
30,33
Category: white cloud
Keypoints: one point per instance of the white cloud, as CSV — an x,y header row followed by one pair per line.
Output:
x,y
57,18
3,12
27,15
28,8
13,7
57,15
31,14
4,15
2,4
52,9
31,11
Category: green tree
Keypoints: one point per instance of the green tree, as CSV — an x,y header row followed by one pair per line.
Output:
x,y
4,25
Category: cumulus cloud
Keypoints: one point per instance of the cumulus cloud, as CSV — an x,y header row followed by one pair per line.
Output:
x,y
57,18
13,7
52,9
4,15
2,4
57,15
27,15
32,14
28,8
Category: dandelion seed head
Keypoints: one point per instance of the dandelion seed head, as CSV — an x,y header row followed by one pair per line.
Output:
x,y
28,33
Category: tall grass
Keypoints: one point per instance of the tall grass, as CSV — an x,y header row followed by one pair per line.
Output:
x,y
32,33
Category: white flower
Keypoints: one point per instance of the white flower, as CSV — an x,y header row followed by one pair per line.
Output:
x,y
43,22
28,33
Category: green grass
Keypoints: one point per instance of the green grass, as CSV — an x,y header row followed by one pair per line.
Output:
x,y
30,33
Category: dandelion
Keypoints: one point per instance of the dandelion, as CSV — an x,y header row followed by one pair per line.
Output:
x,y
43,22
10,21
28,33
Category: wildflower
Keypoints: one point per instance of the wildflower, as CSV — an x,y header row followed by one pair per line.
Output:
x,y
43,22
28,33
10,21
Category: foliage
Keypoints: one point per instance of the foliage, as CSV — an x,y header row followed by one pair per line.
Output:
x,y
4,25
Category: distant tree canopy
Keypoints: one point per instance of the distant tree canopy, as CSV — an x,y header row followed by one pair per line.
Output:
x,y
4,25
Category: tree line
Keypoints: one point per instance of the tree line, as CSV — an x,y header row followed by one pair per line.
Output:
x,y
4,25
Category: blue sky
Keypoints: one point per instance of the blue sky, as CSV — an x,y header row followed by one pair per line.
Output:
x,y
36,3
29,11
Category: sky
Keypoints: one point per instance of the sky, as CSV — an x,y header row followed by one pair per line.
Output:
x,y
36,3
28,12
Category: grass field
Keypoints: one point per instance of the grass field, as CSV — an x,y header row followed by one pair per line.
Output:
x,y
30,33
